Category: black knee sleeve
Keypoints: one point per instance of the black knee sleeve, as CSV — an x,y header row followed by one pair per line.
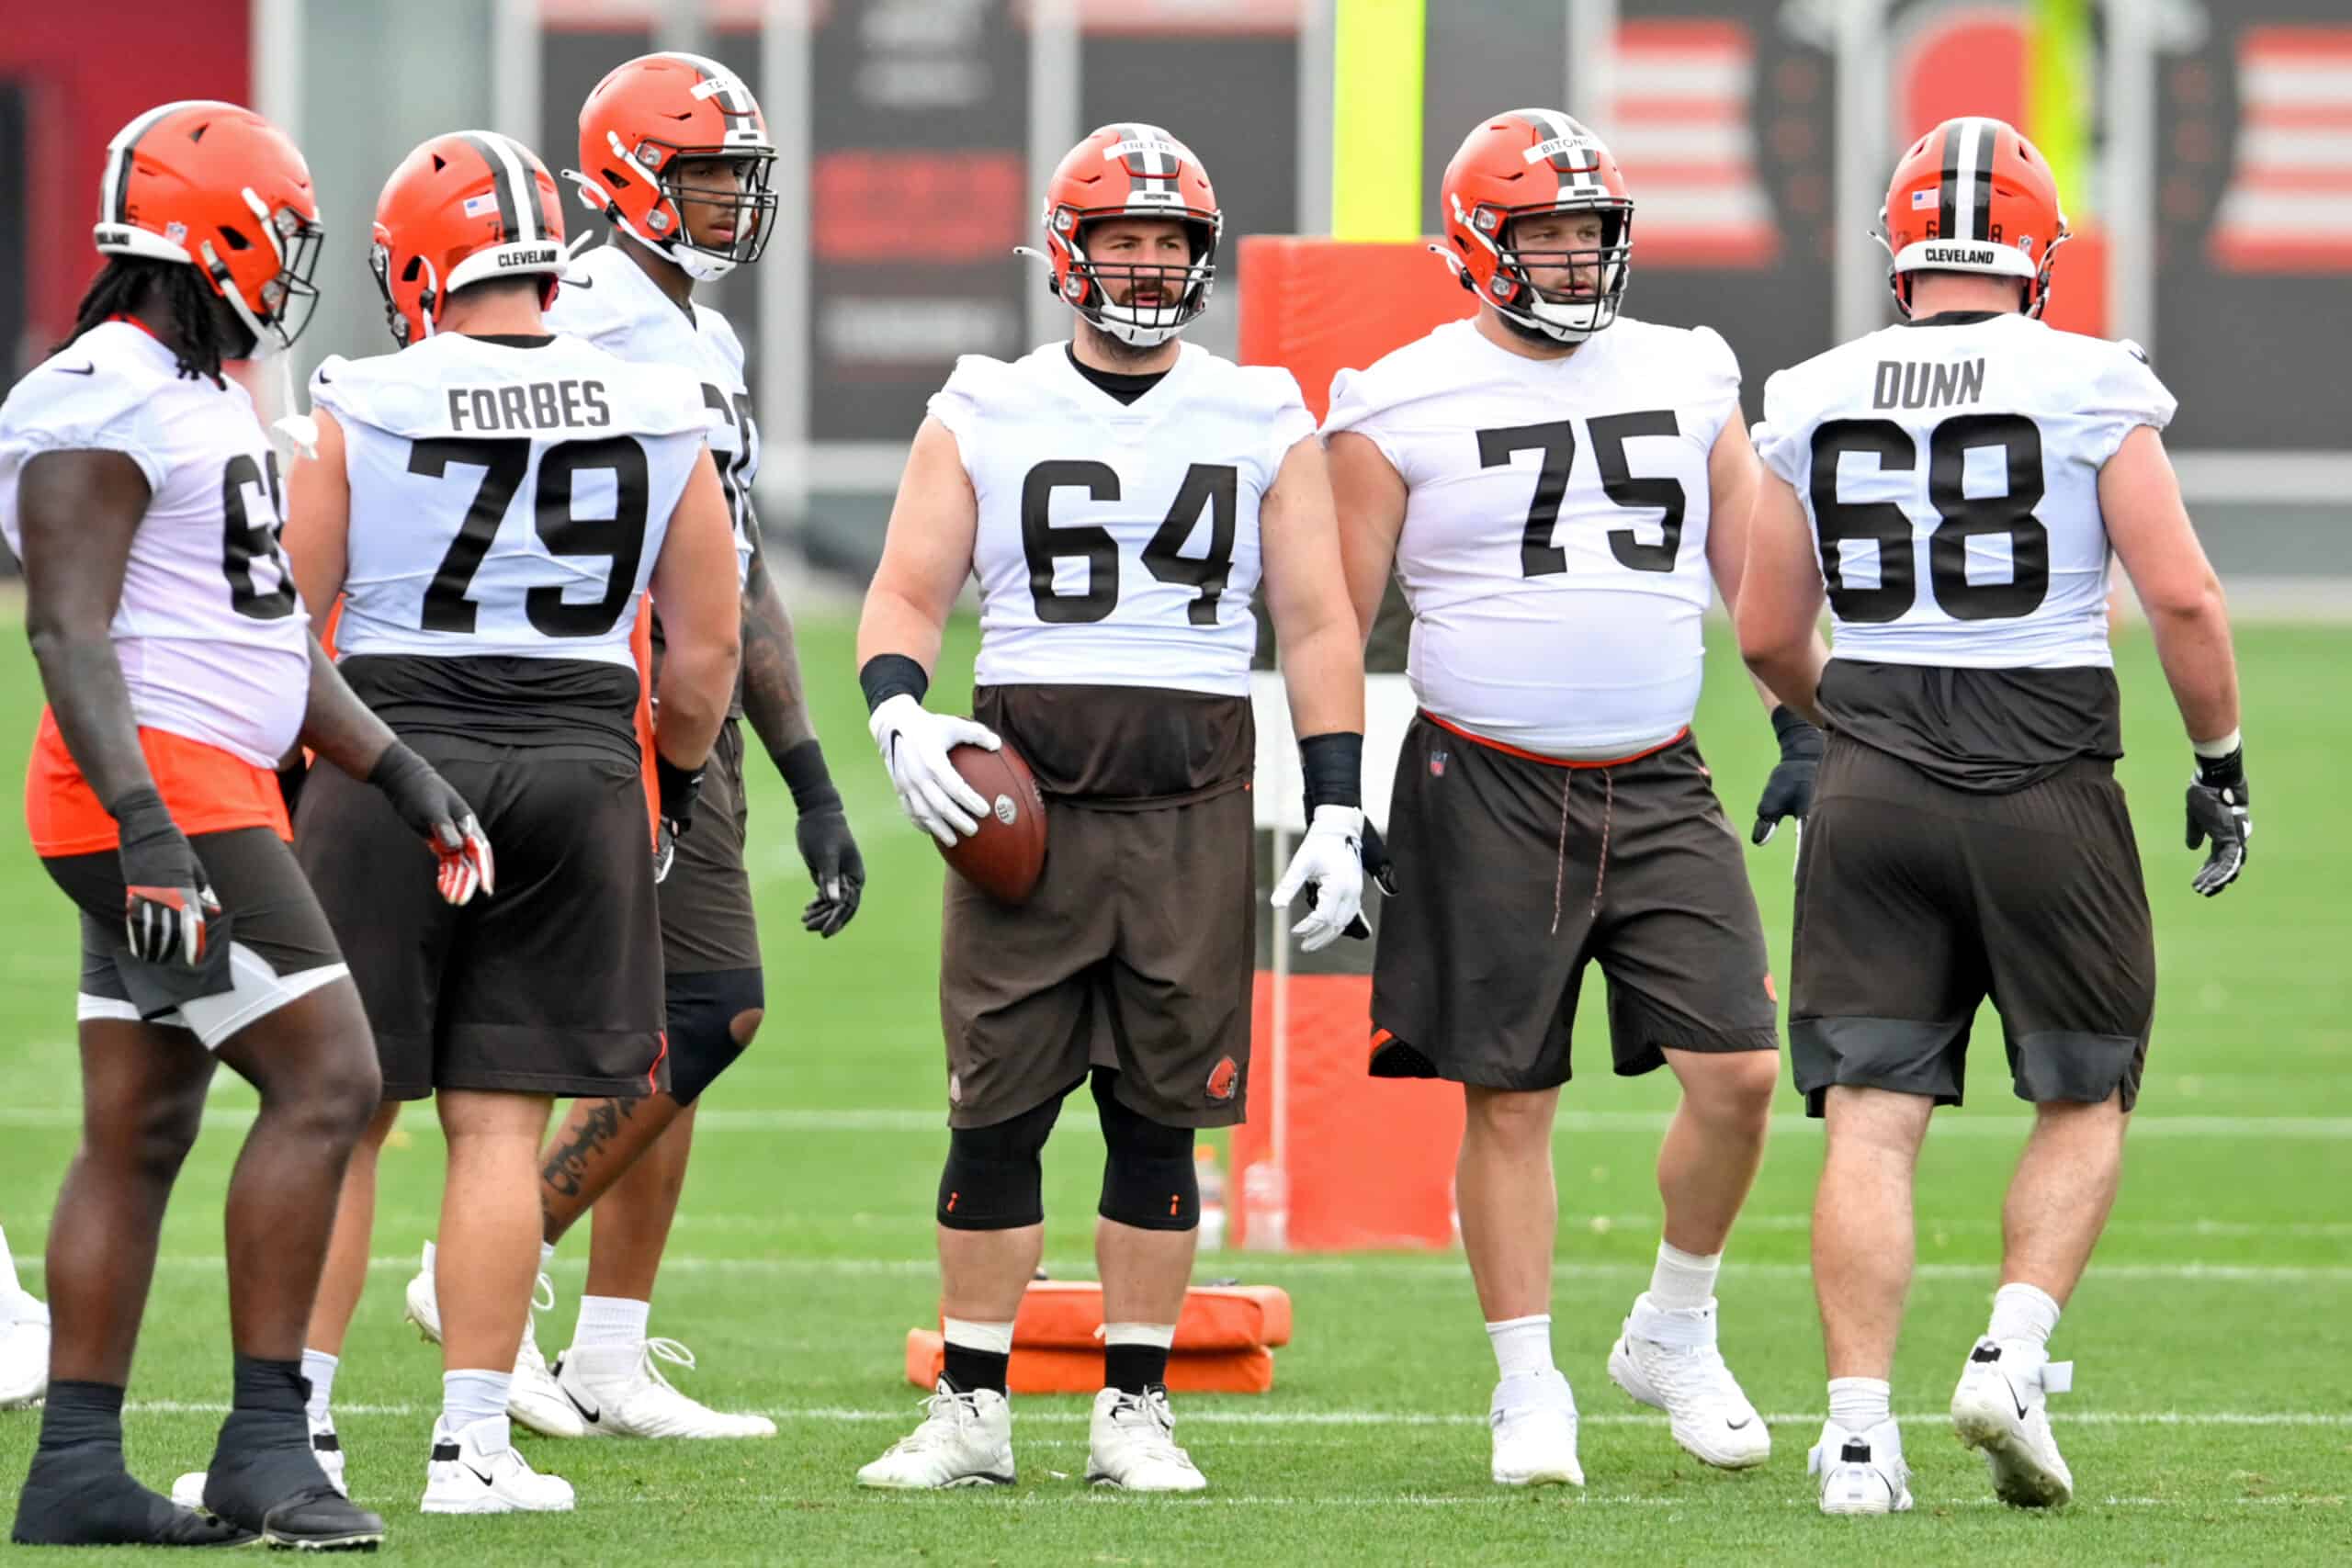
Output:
x,y
993,1181
701,1011
1148,1179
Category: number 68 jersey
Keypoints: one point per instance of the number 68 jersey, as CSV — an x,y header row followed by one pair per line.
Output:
x,y
213,642
1118,544
1950,468
508,497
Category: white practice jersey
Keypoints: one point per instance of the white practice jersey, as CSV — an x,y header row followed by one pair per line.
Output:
x,y
1118,544
608,299
506,500
1555,545
213,642
1950,469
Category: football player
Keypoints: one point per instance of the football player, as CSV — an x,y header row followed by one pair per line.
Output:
x,y
674,155
493,502
24,1337
1955,483
141,494
1119,496
1557,486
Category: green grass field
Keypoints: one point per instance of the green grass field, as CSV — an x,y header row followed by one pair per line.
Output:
x,y
2213,1336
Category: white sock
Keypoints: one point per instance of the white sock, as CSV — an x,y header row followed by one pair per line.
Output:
x,y
1859,1403
1683,1282
470,1396
319,1367
611,1322
2023,1312
1522,1345
1160,1334
994,1338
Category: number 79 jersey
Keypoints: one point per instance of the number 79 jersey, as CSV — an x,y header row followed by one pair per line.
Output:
x,y
1950,469
1118,544
506,500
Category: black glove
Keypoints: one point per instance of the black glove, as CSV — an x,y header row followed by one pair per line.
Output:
x,y
676,788
439,815
166,895
290,779
1788,790
2217,810
826,843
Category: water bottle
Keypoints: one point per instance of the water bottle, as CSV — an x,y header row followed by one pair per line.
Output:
x,y
1212,1179
1265,1208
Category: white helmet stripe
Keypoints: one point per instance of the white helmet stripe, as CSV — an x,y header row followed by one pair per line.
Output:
x,y
510,174
114,188
733,96
1972,180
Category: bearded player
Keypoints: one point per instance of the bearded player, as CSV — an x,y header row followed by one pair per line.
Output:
x,y
1557,486
1119,496
1954,485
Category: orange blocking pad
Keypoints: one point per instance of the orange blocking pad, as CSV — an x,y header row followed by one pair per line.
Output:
x,y
1303,306
1037,1370
1067,1314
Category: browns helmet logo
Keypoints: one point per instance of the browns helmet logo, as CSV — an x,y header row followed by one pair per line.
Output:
x,y
1222,1078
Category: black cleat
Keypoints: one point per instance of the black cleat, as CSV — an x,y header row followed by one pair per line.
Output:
x,y
323,1520
83,1497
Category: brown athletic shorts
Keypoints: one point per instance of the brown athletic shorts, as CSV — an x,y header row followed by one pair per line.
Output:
x,y
1513,870
269,945
707,917
1917,900
550,984
1134,953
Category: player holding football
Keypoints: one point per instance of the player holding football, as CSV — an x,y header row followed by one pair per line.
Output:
x,y
1956,483
1555,485
493,502
137,487
1117,496
675,155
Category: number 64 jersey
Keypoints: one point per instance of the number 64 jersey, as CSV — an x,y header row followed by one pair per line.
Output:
x,y
1118,544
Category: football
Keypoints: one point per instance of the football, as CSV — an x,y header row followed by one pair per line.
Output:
x,y
1004,858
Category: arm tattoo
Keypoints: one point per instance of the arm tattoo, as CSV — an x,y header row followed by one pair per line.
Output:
x,y
773,697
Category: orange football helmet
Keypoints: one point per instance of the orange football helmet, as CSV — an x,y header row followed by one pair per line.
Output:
x,y
655,112
1972,196
1527,161
216,187
461,208
1130,171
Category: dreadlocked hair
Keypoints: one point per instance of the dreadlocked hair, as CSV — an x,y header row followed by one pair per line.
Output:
x,y
122,285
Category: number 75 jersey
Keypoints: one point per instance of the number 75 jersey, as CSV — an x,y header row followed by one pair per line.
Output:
x,y
1950,468
1118,544
506,499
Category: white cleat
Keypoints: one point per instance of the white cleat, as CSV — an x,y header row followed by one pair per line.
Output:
x,y
531,1399
1862,1472
1668,1360
187,1490
966,1439
626,1396
1132,1445
476,1471
1535,1421
2001,1409
24,1346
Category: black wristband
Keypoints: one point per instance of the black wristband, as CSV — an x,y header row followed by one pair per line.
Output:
x,y
1333,769
136,803
676,788
887,675
2221,772
803,767
397,763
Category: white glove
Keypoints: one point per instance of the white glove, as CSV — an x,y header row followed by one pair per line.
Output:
x,y
1330,860
914,743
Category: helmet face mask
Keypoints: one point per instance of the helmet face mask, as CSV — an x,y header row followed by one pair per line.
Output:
x,y
1142,175
1524,197
645,124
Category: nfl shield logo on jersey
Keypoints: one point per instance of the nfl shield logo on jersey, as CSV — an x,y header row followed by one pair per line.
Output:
x,y
1436,764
